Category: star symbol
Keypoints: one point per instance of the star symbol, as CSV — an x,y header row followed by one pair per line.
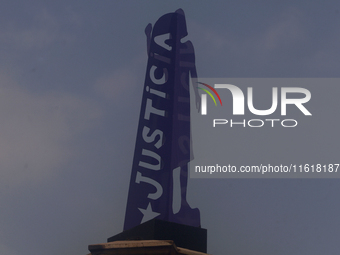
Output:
x,y
148,214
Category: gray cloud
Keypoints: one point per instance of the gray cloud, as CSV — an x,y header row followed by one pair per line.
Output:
x,y
36,131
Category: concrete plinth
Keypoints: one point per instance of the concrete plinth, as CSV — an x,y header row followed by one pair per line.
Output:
x,y
188,237
145,247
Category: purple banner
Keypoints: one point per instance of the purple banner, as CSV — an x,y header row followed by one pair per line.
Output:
x,y
163,147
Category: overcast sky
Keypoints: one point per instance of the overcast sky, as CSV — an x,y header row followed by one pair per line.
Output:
x,y
71,80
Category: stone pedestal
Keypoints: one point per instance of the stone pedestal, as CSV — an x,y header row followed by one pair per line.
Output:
x,y
185,236
145,247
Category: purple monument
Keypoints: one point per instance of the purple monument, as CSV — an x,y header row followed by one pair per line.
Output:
x,y
159,176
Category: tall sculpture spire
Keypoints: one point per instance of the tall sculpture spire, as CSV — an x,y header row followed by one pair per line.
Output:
x,y
163,147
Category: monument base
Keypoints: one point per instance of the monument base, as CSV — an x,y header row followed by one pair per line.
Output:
x,y
147,247
188,237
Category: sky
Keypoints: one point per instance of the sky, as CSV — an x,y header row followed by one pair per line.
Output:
x,y
71,81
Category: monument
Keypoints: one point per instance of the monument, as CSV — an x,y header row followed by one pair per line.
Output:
x,y
163,147
157,208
